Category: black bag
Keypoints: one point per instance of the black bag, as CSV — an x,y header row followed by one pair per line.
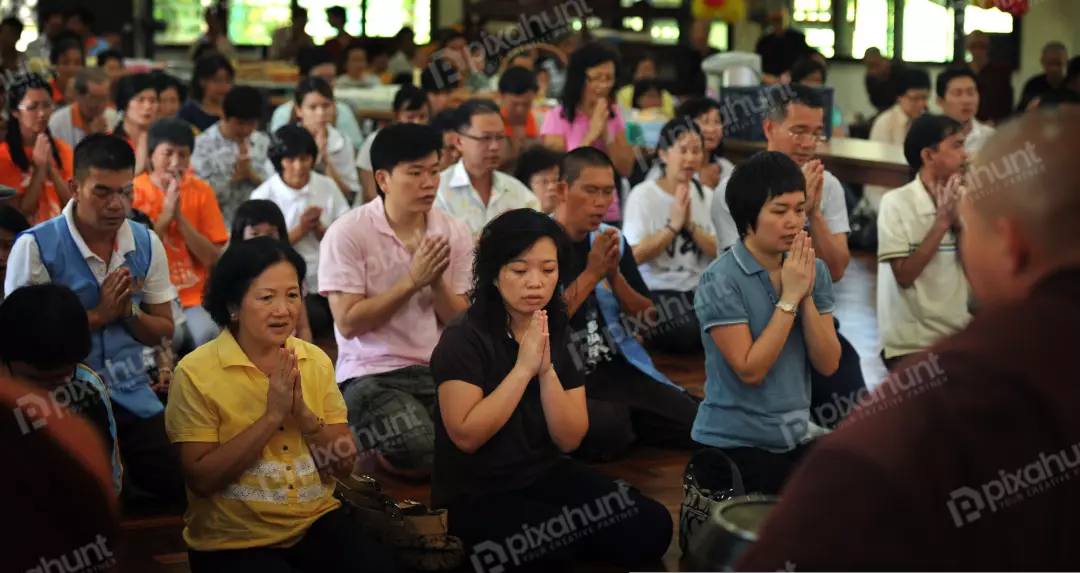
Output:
x,y
698,499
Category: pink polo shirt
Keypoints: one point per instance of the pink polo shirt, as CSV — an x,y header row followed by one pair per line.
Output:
x,y
573,133
360,254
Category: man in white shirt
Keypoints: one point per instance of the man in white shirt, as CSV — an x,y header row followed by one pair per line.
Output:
x,y
958,98
892,125
472,190
310,202
120,273
922,294
89,114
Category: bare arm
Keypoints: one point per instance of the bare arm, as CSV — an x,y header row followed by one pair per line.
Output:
x,y
830,247
564,411
210,467
447,303
631,301
704,241
555,143
650,247
204,251
153,325
822,344
751,359
31,196
333,448
343,185
579,291
907,269
59,184
355,314
470,418
621,153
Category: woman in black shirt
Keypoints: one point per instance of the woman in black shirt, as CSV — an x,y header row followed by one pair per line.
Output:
x,y
511,403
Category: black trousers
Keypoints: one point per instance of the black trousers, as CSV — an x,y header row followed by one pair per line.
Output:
x,y
151,462
626,406
762,471
319,316
333,544
830,396
677,330
570,514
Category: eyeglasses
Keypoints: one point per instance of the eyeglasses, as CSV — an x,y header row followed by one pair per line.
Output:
x,y
809,136
486,139
46,106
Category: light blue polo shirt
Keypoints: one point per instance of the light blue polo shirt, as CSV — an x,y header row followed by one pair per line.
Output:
x,y
775,414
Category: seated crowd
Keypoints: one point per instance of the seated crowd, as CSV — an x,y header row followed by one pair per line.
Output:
x,y
498,288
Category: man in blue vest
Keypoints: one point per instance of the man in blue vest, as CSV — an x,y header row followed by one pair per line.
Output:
x,y
120,273
609,305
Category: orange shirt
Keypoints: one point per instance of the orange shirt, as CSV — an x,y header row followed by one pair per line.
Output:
x,y
49,204
530,126
57,92
199,206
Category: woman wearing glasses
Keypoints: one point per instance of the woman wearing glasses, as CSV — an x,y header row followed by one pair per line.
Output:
x,y
472,190
586,114
32,161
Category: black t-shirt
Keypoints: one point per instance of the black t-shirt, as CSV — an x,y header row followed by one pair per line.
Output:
x,y
522,450
593,346
778,53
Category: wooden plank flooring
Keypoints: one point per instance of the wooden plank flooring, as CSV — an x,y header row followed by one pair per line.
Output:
x,y
153,543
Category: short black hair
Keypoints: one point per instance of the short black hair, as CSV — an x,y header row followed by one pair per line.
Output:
x,y
238,267
946,76
350,48
244,103
440,76
806,66
64,44
254,212
449,35
472,108
82,13
927,132
312,85
44,326
104,57
575,161
402,78
207,67
140,217
13,22
766,175
164,81
45,13
517,80
444,121
169,130
912,79
1058,96
290,141
778,98
310,58
12,220
410,98
335,11
103,151
642,87
403,142
131,85
534,160
696,107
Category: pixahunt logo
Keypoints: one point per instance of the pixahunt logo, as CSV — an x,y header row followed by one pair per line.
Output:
x,y
967,504
90,558
538,540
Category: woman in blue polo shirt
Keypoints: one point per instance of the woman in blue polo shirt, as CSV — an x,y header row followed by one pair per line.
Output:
x,y
765,309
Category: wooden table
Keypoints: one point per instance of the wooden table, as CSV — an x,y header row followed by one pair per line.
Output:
x,y
850,160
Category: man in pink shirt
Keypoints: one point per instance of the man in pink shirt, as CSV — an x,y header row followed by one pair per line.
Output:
x,y
395,271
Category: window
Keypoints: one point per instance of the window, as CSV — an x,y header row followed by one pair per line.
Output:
x,y
929,32
814,17
872,22
25,10
635,24
718,36
386,17
664,32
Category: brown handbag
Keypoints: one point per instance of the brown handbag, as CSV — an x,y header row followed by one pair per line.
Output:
x,y
418,534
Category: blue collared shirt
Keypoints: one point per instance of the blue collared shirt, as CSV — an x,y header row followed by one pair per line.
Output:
x,y
773,415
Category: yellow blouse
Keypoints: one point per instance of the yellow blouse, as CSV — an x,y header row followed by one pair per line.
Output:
x,y
217,393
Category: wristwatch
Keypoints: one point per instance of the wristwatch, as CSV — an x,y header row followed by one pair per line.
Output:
x,y
136,310
788,308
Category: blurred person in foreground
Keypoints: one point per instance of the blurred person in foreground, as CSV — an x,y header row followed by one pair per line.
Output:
x,y
929,475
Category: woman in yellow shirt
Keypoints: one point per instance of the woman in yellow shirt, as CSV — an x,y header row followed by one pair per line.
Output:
x,y
262,430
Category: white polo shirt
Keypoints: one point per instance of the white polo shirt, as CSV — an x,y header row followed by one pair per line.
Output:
x,y
978,136
833,207
25,267
459,198
936,305
321,191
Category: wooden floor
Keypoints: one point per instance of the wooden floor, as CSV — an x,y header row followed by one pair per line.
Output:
x,y
153,543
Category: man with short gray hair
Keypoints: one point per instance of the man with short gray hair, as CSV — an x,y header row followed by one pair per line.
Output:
x,y
90,113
